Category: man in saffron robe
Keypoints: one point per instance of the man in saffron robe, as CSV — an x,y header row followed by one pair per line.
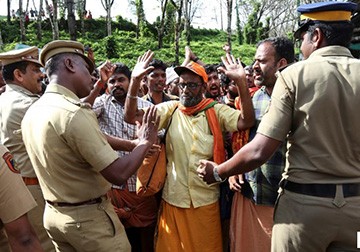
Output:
x,y
189,216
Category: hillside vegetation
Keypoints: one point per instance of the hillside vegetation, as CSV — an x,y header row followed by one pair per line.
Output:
x,y
123,46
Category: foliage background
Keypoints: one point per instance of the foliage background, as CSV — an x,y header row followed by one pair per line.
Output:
x,y
123,46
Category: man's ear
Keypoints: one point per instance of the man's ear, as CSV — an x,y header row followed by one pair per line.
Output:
x,y
69,64
282,62
18,75
318,38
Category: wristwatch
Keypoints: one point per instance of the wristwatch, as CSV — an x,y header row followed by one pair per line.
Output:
x,y
216,175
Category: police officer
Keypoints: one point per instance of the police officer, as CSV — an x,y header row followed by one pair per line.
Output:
x,y
74,162
314,104
23,77
15,202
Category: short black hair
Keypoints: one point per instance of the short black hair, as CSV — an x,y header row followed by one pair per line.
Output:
x,y
284,48
8,70
122,68
210,68
52,65
158,64
336,33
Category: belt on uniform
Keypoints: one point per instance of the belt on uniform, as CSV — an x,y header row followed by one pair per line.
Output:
x,y
87,202
321,190
30,181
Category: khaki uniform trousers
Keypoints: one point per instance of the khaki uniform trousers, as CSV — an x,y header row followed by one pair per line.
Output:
x,y
36,218
94,227
315,224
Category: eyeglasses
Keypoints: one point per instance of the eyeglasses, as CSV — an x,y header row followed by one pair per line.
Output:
x,y
190,85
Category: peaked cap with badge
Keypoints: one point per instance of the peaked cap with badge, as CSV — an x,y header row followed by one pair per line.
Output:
x,y
30,54
323,12
64,46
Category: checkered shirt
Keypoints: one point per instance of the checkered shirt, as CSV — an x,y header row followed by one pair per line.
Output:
x,y
110,114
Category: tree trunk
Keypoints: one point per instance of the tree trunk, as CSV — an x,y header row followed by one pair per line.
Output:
x,y
229,4
108,23
71,19
39,28
107,6
8,11
238,25
162,23
82,11
22,23
27,6
55,20
177,30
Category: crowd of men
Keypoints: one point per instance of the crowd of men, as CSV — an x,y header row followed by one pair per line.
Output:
x,y
259,158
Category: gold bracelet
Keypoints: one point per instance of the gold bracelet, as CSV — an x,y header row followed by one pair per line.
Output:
x,y
131,96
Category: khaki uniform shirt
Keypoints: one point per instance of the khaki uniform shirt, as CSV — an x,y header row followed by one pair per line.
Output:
x,y
315,102
188,140
15,198
66,147
14,103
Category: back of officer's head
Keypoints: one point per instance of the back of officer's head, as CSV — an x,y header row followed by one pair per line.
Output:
x,y
333,19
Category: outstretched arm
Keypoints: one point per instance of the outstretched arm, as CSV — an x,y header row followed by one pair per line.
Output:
x,y
122,168
234,70
132,113
249,157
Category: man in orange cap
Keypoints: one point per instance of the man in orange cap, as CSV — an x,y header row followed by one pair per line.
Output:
x,y
190,216
23,76
314,105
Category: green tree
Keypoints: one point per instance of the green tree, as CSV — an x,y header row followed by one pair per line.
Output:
x,y
238,24
253,27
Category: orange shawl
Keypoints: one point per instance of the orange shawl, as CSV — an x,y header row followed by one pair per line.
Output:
x,y
208,105
239,138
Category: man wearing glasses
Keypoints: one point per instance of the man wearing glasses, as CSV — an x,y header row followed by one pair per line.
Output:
x,y
189,215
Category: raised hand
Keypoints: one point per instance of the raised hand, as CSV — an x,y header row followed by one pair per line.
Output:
x,y
142,65
147,131
106,70
232,68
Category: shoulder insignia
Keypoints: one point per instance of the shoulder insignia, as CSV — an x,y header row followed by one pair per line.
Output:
x,y
10,162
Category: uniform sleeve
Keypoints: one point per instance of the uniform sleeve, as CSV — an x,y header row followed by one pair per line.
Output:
x,y
276,122
15,198
84,135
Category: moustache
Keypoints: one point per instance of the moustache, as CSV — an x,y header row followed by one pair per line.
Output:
x,y
115,89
